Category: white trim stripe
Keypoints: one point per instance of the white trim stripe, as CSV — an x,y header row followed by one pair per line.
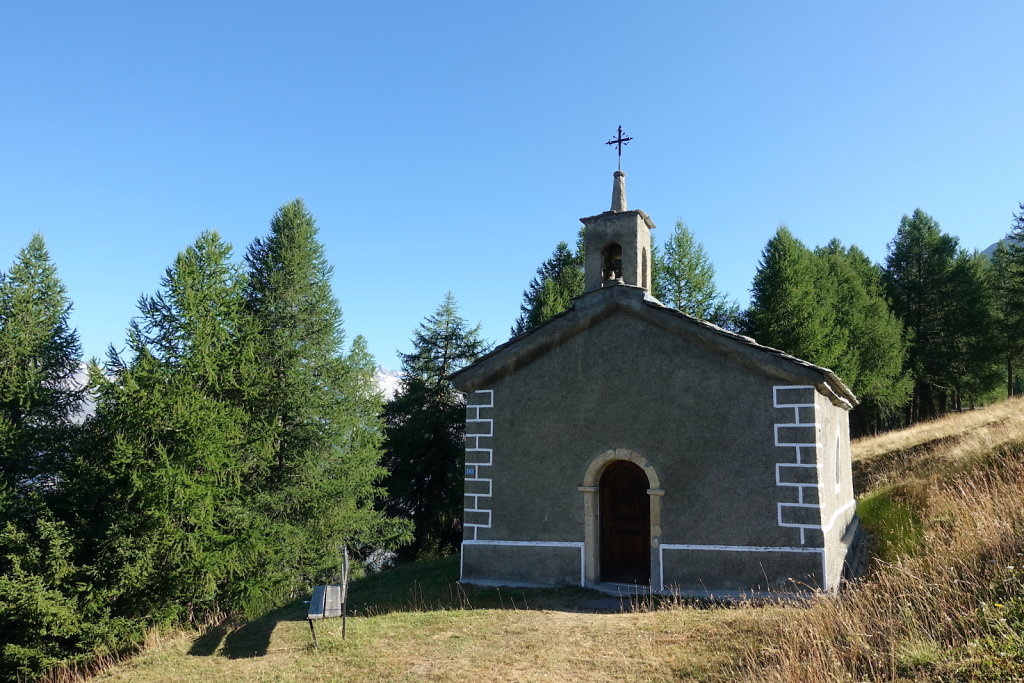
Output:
x,y
553,544
490,398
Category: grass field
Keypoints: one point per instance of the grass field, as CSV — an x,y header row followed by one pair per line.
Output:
x,y
944,600
417,623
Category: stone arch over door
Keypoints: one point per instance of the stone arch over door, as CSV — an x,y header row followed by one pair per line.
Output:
x,y
590,488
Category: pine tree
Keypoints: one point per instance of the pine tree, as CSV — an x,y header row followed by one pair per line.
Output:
x,y
316,403
558,281
684,278
39,356
793,306
425,432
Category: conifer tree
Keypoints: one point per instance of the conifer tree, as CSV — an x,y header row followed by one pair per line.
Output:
x,y
937,290
1006,281
872,363
317,404
171,445
39,356
973,333
425,432
684,278
793,308
558,281
41,615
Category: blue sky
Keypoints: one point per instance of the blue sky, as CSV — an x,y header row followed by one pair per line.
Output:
x,y
450,146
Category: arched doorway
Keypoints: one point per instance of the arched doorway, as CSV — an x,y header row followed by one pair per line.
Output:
x,y
625,514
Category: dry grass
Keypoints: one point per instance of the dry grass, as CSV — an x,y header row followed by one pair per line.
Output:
x,y
968,425
473,644
940,447
953,610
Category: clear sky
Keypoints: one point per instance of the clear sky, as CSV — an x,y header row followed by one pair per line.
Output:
x,y
450,146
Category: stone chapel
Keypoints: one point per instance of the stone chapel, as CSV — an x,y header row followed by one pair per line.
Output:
x,y
624,442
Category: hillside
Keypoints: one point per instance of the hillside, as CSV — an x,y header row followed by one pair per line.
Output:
x,y
944,599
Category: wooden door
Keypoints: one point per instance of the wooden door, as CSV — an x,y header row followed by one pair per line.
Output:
x,y
625,511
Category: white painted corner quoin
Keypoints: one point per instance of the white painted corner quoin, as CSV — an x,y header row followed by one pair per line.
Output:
x,y
479,460
801,470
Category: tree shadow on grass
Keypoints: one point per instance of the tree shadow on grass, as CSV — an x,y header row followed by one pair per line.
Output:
x,y
208,642
251,639
430,585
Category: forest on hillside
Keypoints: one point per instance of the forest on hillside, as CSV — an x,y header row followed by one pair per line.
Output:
x,y
240,439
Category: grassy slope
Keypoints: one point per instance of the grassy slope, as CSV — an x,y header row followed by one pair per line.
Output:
x,y
416,623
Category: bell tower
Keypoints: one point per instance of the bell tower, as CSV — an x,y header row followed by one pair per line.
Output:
x,y
617,244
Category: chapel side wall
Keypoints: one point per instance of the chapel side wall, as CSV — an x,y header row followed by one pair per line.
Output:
x,y
836,486
705,423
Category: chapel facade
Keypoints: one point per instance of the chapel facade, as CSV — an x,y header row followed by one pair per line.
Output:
x,y
625,443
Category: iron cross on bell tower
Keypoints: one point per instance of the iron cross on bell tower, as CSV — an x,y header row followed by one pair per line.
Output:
x,y
619,141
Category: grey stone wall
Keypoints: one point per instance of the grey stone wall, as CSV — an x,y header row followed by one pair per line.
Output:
x,y
715,433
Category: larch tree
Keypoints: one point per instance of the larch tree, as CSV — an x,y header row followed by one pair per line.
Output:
x,y
425,432
872,364
684,278
170,447
938,292
973,333
793,307
317,404
1006,281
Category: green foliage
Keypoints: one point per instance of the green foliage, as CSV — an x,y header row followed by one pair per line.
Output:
x,y
872,362
39,622
41,619
940,294
829,307
684,278
316,404
237,448
792,306
1006,282
557,282
173,445
890,515
425,432
39,356
48,616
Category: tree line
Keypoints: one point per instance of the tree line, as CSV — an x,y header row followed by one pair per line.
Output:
x,y
933,329
234,447
239,439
